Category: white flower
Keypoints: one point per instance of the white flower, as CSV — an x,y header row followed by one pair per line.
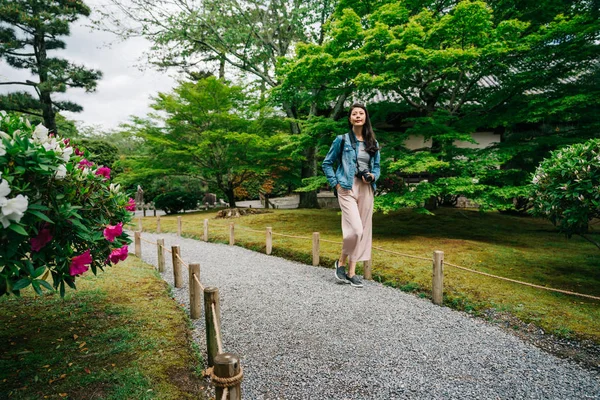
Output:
x,y
50,145
66,154
3,113
5,135
13,210
41,133
61,172
115,188
2,149
475,180
27,123
4,189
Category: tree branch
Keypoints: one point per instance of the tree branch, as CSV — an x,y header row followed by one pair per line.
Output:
x,y
590,240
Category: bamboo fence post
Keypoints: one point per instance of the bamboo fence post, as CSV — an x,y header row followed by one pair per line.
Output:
x,y
269,240
140,227
231,234
144,210
211,296
160,243
367,269
176,267
195,291
315,249
227,365
438,277
158,224
178,226
154,212
138,243
206,230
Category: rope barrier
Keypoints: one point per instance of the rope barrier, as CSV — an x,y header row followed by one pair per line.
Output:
x,y
291,236
330,241
198,282
401,254
182,262
523,283
217,330
224,382
147,241
248,229
167,250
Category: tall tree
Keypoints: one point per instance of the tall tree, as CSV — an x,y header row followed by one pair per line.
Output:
x,y
29,30
247,36
210,132
452,68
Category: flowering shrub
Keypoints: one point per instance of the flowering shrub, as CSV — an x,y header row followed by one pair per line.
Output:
x,y
566,188
59,213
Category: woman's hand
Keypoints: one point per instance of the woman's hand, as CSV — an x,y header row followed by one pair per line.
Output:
x,y
338,187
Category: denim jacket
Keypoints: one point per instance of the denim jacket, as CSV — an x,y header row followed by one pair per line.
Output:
x,y
347,170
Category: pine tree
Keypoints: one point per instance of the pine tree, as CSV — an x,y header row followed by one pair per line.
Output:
x,y
29,30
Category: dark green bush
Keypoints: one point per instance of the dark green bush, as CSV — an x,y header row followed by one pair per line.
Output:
x,y
173,202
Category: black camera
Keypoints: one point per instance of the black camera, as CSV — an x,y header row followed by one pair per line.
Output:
x,y
365,174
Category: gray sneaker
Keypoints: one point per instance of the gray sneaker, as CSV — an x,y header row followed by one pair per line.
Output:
x,y
340,273
354,281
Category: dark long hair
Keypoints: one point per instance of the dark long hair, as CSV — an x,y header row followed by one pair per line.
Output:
x,y
367,131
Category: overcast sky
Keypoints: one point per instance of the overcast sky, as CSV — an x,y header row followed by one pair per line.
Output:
x,y
124,89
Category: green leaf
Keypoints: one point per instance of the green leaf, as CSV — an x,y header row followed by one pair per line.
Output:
x,y
45,284
23,283
36,287
40,215
19,229
37,207
39,271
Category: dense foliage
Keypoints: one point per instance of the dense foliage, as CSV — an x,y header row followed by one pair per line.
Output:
x,y
566,188
173,202
60,214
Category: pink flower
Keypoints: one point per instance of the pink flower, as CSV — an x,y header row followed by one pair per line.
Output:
x,y
118,254
84,163
130,205
67,142
112,231
79,152
80,263
42,239
104,171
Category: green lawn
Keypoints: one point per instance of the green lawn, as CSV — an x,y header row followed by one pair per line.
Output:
x,y
521,248
119,336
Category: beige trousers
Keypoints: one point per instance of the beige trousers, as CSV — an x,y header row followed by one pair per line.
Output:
x,y
357,220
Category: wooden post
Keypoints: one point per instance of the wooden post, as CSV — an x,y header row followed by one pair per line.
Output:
x,y
140,227
367,269
144,210
227,365
269,240
158,224
178,226
138,244
154,212
195,291
211,296
315,249
438,277
178,279
231,234
206,230
161,254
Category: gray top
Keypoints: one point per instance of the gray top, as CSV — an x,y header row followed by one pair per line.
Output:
x,y
363,157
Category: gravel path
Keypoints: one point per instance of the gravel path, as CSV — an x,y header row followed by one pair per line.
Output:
x,y
302,336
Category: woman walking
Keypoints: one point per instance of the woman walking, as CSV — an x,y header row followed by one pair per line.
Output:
x,y
357,156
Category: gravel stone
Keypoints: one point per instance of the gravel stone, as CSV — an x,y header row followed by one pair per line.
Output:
x,y
300,335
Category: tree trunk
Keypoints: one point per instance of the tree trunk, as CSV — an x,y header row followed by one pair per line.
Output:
x,y
230,197
222,69
44,95
309,169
